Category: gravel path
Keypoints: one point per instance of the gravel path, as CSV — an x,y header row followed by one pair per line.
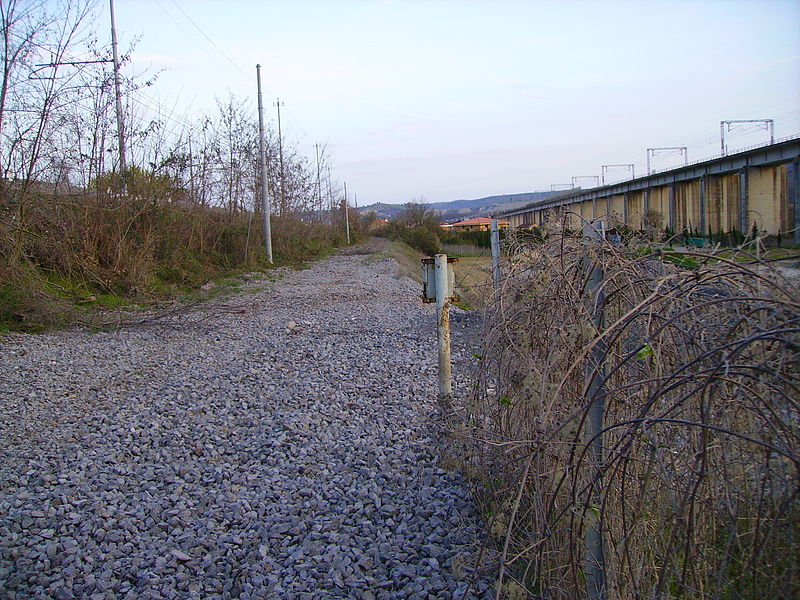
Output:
x,y
227,454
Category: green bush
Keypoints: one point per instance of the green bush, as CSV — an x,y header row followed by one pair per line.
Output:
x,y
423,239
481,239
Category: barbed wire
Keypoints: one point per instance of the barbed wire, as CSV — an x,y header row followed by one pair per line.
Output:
x,y
701,443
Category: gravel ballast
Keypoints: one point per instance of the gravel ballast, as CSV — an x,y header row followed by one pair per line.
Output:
x,y
273,444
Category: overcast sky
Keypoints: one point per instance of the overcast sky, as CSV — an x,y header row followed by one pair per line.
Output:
x,y
463,99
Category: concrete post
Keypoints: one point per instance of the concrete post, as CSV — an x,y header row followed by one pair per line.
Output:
x,y
443,294
495,239
595,371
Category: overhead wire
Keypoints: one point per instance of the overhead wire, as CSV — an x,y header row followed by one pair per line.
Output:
x,y
189,35
715,138
159,108
248,78
241,74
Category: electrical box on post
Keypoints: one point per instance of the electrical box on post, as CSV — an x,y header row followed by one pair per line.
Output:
x,y
429,291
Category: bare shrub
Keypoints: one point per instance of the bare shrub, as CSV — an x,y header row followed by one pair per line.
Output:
x,y
699,477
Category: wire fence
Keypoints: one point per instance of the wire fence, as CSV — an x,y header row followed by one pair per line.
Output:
x,y
689,481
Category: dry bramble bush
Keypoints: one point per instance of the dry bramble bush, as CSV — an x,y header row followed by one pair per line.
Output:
x,y
696,493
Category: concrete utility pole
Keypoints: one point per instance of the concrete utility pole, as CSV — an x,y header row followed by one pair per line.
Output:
x,y
330,199
191,171
346,215
280,155
263,159
123,167
319,186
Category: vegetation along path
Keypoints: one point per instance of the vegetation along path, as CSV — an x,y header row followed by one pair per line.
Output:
x,y
276,444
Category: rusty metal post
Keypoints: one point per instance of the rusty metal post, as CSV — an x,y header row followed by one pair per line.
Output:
x,y
443,293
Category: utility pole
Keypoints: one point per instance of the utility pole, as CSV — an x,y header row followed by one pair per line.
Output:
x,y
330,198
263,159
280,154
319,185
346,215
120,125
191,171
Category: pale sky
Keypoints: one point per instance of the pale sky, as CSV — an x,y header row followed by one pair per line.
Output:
x,y
462,99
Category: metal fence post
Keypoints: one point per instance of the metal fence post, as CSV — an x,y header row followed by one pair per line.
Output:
x,y
495,239
443,294
594,559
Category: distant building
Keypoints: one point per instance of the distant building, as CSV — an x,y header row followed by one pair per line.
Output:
x,y
476,224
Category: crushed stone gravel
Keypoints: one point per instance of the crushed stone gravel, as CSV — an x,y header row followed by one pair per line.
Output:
x,y
274,444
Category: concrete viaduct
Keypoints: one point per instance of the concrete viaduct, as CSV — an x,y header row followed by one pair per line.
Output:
x,y
759,185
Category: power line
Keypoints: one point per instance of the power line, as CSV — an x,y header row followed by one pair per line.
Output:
x,y
156,106
189,35
203,33
296,122
241,73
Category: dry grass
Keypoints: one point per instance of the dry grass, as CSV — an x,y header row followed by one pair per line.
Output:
x,y
59,251
474,280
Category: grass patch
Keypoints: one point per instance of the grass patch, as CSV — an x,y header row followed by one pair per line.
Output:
x,y
406,257
473,280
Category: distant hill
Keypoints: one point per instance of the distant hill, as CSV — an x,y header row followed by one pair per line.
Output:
x,y
462,209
